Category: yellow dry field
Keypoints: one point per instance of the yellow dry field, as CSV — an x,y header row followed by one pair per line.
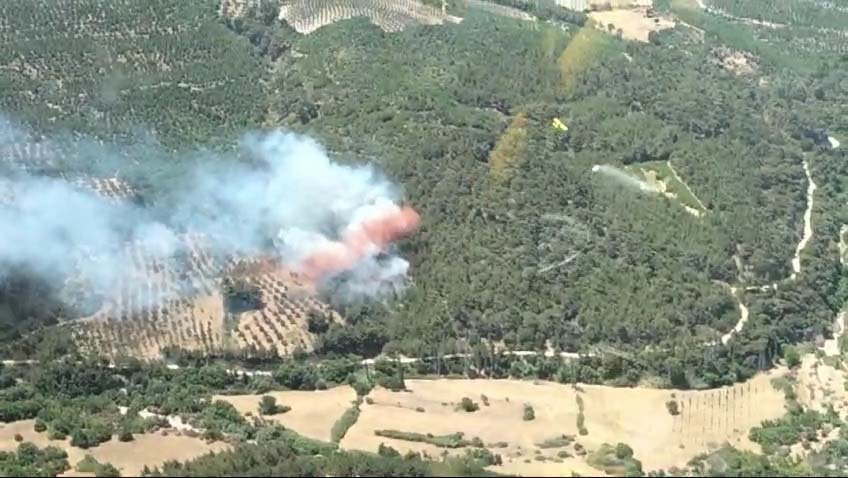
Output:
x,y
634,23
635,416
312,414
130,457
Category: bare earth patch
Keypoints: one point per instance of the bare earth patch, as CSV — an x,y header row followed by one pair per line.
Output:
x,y
129,457
636,416
634,23
312,414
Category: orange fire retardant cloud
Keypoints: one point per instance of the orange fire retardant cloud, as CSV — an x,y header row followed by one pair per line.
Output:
x,y
370,235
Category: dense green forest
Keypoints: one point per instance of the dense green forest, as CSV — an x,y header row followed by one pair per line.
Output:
x,y
648,287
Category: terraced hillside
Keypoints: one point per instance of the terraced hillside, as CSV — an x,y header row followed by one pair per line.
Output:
x,y
179,303
306,16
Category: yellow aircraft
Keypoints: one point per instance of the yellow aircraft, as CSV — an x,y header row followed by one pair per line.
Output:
x,y
559,125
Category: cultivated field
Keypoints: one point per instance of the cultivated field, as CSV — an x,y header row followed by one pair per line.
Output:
x,y
151,450
312,414
636,416
306,16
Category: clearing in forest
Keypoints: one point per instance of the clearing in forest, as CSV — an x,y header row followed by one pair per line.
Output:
x,y
634,24
149,449
312,413
639,417
661,176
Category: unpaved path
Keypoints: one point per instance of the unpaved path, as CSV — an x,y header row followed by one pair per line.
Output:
x,y
796,258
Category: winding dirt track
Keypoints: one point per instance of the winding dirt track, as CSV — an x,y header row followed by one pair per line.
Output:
x,y
796,259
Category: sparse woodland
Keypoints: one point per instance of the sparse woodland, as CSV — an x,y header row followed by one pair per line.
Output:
x,y
647,294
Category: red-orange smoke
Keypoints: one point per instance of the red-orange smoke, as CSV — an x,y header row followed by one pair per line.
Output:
x,y
374,233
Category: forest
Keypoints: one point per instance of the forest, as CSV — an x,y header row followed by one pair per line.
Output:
x,y
437,107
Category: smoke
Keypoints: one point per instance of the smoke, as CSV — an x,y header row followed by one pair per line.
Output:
x,y
334,223
623,178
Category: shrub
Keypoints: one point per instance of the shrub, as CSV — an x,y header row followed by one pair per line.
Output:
x,y
529,413
369,400
87,464
454,440
672,407
485,400
556,442
468,405
39,426
18,437
581,418
791,356
343,424
125,436
268,405
387,451
419,409
106,470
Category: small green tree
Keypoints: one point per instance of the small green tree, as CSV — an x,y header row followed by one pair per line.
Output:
x,y
468,405
672,407
106,470
529,413
791,356
268,405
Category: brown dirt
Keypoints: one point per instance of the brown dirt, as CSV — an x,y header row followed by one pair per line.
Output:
x,y
636,416
312,414
130,457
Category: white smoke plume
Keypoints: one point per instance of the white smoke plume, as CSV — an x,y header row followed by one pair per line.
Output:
x,y
289,201
623,178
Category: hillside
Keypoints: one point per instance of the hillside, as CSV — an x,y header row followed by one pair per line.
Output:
x,y
431,108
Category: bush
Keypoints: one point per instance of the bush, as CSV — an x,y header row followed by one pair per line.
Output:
x,y
616,460
581,418
454,440
672,407
791,356
369,400
87,464
556,442
419,409
106,470
39,426
529,413
468,405
387,451
125,436
343,424
268,405
18,437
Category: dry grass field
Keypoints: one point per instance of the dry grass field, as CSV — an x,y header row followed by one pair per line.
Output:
x,y
130,458
312,414
636,416
634,23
